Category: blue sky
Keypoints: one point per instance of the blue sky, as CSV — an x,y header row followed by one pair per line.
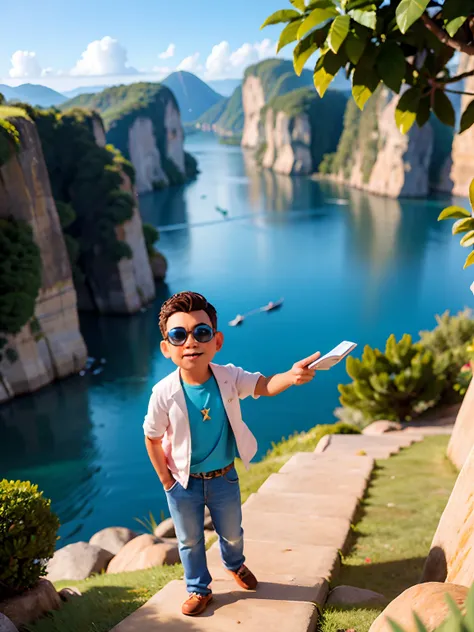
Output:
x,y
84,42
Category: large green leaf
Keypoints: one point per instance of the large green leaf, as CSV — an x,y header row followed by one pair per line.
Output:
x,y
453,212
455,13
320,4
407,107
364,83
357,4
391,65
327,67
424,111
463,225
469,261
299,4
284,15
409,11
468,239
288,34
316,17
338,32
355,46
367,17
309,45
443,108
467,118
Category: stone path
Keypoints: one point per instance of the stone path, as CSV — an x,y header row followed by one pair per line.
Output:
x,y
295,527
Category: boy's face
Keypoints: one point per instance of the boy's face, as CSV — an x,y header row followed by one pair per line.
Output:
x,y
191,355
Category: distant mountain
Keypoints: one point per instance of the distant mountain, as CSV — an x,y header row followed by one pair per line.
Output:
x,y
225,86
193,95
34,94
70,94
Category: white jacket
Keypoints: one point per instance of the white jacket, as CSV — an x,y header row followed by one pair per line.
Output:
x,y
167,416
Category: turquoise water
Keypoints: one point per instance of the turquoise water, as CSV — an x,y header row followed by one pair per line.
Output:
x,y
349,266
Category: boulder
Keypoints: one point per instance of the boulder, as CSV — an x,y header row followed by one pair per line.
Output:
x,y
6,625
381,427
165,529
31,605
69,593
142,552
112,539
451,557
159,266
346,595
462,438
427,600
77,561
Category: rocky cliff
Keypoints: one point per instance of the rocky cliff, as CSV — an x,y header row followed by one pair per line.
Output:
x,y
299,128
143,122
262,82
53,348
462,170
373,155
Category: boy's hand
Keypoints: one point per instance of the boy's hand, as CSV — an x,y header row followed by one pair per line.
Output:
x,y
300,374
168,484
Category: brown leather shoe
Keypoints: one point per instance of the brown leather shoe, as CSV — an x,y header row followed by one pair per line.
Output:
x,y
245,578
195,604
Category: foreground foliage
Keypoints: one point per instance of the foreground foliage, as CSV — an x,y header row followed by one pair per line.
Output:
x,y
399,43
464,224
28,530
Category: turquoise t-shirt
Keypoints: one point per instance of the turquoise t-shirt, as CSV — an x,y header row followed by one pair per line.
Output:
x,y
212,440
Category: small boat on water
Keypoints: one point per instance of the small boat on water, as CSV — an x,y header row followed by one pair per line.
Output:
x,y
340,201
238,320
222,211
272,305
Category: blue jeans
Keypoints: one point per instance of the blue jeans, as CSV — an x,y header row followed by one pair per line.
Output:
x,y
222,497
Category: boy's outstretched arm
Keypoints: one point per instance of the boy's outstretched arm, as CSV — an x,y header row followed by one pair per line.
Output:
x,y
279,382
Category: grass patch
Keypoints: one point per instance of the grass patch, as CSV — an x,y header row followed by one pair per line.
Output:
x,y
406,498
8,111
107,599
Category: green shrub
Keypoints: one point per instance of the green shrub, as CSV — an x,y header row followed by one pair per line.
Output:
x,y
27,535
326,165
20,275
395,385
260,153
448,342
151,235
9,140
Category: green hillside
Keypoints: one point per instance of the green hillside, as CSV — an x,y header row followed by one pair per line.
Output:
x,y
213,114
325,115
193,95
120,106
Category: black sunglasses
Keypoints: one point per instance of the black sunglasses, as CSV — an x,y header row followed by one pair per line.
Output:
x,y
201,333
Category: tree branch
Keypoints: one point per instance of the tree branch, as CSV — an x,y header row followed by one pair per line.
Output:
x,y
463,75
444,38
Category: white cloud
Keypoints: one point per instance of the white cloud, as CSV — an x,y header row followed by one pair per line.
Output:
x,y
224,63
191,63
24,64
103,57
169,52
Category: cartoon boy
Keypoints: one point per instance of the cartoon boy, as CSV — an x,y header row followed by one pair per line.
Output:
x,y
194,431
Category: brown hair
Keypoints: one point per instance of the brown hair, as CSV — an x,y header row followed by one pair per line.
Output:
x,y
186,302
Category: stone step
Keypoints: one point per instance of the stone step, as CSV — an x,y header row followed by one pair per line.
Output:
x,y
325,505
401,439
277,604
303,482
328,462
291,529
272,558
377,447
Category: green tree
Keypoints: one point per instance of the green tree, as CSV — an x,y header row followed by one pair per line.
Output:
x,y
397,43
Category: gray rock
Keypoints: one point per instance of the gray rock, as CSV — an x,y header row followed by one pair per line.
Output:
x,y
346,595
381,427
6,625
165,529
32,604
78,561
112,539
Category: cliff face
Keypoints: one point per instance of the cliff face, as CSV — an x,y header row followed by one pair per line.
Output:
x,y
253,100
288,143
57,349
462,170
373,155
299,128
